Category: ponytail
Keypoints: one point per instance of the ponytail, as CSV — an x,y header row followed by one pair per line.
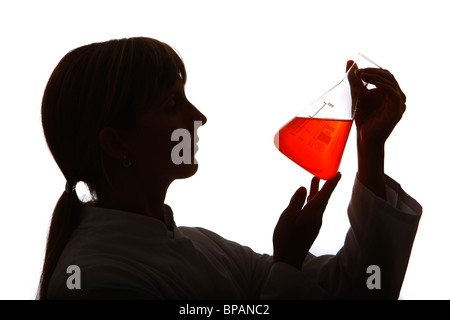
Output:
x,y
65,219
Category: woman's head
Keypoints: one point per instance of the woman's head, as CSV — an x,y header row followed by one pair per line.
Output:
x,y
102,85
110,109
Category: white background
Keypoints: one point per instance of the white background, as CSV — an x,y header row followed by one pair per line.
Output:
x,y
252,66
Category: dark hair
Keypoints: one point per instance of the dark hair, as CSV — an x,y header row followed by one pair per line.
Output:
x,y
99,85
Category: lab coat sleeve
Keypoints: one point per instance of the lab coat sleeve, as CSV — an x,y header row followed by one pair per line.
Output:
x,y
287,282
381,234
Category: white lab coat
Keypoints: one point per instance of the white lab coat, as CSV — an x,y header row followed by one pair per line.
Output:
x,y
130,256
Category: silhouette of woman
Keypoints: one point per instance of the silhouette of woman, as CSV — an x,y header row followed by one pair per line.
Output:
x,y
109,112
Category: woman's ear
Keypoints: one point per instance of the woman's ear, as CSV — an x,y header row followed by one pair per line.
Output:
x,y
113,142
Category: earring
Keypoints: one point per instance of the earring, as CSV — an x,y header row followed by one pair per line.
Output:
x,y
126,162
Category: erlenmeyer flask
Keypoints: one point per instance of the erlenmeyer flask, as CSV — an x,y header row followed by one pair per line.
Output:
x,y
315,139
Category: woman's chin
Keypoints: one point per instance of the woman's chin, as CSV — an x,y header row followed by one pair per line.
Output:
x,y
186,170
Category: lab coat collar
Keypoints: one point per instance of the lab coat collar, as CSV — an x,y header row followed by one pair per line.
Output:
x,y
124,221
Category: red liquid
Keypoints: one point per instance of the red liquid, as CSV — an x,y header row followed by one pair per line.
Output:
x,y
317,145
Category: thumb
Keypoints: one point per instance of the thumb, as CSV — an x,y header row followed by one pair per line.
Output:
x,y
355,83
349,65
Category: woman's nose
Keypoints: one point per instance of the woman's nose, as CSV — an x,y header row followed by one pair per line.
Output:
x,y
198,116
203,118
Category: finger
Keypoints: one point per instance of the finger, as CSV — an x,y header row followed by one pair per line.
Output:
x,y
322,197
372,75
314,188
386,81
393,94
295,205
330,185
384,72
403,96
